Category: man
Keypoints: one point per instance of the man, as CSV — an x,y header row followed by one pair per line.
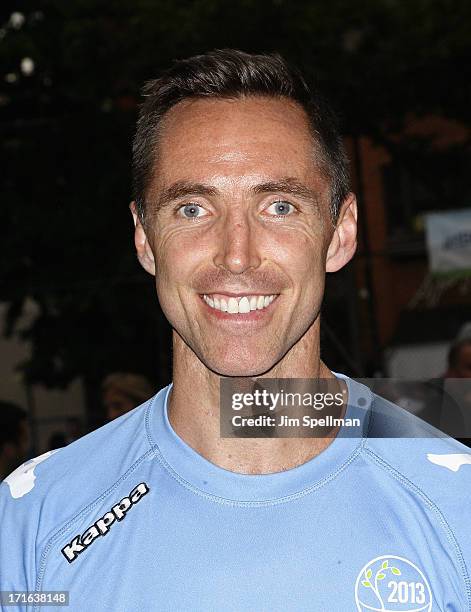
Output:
x,y
447,402
73,431
241,206
123,391
459,358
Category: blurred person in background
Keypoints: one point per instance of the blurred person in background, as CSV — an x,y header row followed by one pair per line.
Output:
x,y
123,391
449,397
459,359
443,401
14,437
73,431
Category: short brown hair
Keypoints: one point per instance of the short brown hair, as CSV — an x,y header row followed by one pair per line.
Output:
x,y
229,73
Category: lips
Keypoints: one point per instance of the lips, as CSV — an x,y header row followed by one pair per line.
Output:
x,y
240,304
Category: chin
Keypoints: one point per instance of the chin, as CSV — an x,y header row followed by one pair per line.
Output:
x,y
239,366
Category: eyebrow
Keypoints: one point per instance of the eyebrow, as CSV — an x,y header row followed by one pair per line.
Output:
x,y
181,189
291,186
288,185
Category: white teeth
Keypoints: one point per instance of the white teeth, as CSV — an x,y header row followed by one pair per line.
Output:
x,y
244,305
232,306
241,305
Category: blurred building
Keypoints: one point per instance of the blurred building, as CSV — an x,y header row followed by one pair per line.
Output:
x,y
48,409
405,321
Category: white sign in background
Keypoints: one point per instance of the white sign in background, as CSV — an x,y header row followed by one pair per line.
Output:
x,y
449,240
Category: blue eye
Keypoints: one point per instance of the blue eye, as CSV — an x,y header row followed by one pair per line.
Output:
x,y
191,211
281,208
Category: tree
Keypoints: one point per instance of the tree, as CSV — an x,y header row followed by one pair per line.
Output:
x,y
68,95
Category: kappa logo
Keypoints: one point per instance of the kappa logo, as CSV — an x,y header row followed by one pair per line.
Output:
x,y
101,527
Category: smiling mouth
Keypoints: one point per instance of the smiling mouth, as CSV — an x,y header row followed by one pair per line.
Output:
x,y
238,305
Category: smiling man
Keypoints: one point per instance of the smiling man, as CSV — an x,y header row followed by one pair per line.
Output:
x,y
242,205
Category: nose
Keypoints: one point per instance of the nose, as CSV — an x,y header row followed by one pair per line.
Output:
x,y
238,248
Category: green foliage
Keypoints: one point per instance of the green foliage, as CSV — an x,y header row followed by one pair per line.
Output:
x,y
380,575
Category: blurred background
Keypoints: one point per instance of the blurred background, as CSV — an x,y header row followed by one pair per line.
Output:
x,y
75,306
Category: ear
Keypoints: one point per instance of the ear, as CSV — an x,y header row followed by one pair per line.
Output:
x,y
143,249
344,240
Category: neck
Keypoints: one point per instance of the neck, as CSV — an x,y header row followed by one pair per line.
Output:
x,y
193,411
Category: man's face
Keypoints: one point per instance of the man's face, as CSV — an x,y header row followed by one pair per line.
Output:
x,y
239,226
116,403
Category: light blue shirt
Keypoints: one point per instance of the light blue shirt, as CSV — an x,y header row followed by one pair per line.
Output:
x,y
130,518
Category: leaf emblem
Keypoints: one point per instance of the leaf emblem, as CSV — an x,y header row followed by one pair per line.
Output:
x,y
396,571
385,565
368,574
381,576
366,583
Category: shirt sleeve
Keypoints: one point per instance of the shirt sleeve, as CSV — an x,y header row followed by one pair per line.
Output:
x,y
17,545
450,494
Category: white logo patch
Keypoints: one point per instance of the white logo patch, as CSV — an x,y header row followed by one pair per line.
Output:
x,y
101,527
21,480
392,584
452,461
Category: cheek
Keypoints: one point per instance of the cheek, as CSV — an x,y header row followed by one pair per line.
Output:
x,y
179,254
175,250
302,257
300,253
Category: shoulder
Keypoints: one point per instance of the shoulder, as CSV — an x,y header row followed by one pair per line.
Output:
x,y
413,455
419,451
46,493
81,471
433,469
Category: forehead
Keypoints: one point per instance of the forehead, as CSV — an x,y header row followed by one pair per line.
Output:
x,y
249,139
